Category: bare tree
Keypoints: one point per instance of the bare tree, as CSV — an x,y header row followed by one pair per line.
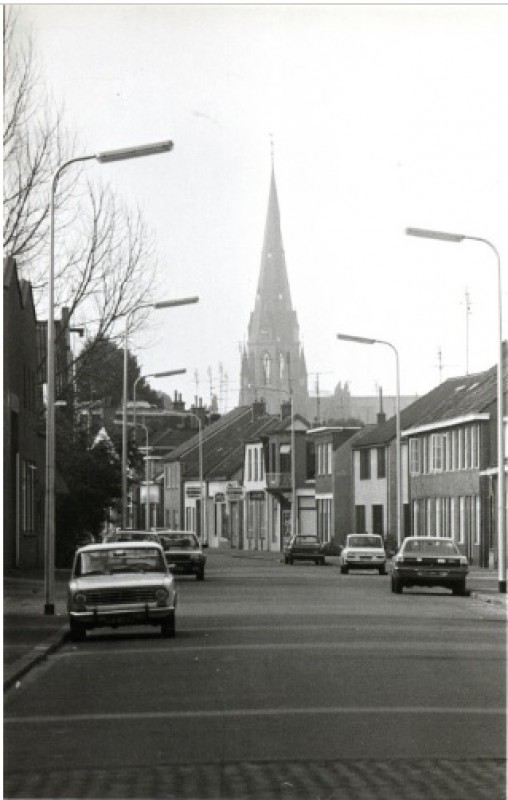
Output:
x,y
105,263
35,142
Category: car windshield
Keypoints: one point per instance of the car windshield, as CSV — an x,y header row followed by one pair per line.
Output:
x,y
429,547
105,562
178,541
136,537
364,541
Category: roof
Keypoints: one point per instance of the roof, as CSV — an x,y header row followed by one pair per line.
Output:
x,y
453,399
223,444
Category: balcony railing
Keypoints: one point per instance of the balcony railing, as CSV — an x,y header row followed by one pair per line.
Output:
x,y
278,480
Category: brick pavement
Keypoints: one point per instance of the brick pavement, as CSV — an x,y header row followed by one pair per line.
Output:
x,y
402,779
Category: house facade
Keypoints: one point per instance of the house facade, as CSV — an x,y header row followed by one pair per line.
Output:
x,y
23,427
332,457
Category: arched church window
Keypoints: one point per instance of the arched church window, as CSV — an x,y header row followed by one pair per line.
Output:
x,y
266,368
281,365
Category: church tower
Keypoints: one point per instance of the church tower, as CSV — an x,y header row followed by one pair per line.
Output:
x,y
273,361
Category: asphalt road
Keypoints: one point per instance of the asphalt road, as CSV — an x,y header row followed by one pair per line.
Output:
x,y
282,682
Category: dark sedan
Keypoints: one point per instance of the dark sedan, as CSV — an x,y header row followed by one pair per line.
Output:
x,y
304,547
429,561
183,552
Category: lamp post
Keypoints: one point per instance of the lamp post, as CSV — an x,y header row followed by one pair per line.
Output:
x,y
363,340
49,509
184,301
501,482
150,375
204,524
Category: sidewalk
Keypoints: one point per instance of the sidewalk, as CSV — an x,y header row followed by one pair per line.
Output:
x,y
30,635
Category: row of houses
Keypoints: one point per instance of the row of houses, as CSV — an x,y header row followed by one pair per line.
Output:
x,y
343,478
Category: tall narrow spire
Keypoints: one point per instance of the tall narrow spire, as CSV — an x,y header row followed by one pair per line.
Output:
x,y
274,339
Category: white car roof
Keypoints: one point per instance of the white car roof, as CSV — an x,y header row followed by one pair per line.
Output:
x,y
143,543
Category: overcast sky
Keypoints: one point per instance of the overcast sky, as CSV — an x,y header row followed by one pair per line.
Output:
x,y
383,117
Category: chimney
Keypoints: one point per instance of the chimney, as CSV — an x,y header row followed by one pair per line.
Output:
x,y
178,404
381,416
285,409
258,409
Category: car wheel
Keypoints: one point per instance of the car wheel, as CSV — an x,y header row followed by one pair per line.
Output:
x,y
168,627
382,570
344,570
290,560
286,560
459,588
323,562
200,574
78,631
396,586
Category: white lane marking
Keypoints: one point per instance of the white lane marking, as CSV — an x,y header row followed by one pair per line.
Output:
x,y
441,647
255,712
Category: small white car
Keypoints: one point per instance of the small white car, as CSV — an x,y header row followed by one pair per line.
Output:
x,y
121,583
363,551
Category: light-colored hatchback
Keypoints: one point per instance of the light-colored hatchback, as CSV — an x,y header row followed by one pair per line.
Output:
x,y
363,551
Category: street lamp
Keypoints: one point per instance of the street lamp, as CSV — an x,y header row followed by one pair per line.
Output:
x,y
151,375
184,301
501,483
363,340
49,509
204,524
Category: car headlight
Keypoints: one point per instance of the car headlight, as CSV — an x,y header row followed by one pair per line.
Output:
x,y
161,595
80,599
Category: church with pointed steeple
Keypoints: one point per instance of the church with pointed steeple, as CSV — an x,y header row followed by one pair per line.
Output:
x,y
272,360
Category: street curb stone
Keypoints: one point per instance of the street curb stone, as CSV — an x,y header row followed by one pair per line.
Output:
x,y
13,672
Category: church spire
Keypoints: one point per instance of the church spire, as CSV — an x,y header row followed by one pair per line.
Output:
x,y
273,336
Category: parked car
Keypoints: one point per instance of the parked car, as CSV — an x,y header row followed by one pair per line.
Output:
x,y
121,583
304,547
183,552
429,561
134,536
363,551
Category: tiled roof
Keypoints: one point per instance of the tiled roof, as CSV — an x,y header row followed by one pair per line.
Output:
x,y
223,444
452,399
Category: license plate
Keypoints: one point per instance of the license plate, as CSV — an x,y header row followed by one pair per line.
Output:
x,y
432,573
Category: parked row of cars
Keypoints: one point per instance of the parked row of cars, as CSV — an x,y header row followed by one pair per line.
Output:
x,y
128,580
420,561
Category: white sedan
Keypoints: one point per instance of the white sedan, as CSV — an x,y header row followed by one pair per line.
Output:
x,y
363,551
121,583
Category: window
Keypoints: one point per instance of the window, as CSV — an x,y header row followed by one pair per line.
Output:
x,y
285,458
255,464
381,462
436,452
171,476
324,519
249,464
477,521
364,466
462,520
360,519
261,465
414,456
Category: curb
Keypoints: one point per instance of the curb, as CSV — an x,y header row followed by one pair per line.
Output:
x,y
39,653
498,600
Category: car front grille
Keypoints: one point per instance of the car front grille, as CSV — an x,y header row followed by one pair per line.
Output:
x,y
113,597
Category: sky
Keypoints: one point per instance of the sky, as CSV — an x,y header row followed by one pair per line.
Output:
x,y
381,116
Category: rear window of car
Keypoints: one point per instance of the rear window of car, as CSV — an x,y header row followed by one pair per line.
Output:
x,y
178,541
106,562
429,547
306,539
364,541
